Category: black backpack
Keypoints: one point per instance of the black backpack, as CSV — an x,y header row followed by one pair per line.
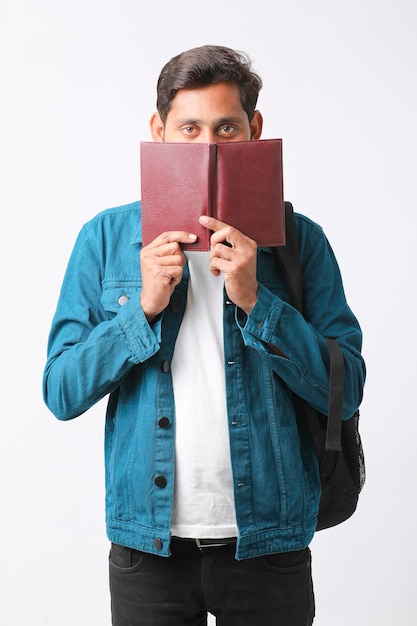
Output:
x,y
337,442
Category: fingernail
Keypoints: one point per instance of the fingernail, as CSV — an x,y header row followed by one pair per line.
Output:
x,y
203,219
192,237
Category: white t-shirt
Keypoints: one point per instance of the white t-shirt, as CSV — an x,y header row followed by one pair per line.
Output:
x,y
203,495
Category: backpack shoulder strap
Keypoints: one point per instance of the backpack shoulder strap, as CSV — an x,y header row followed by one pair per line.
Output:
x,y
334,419
288,259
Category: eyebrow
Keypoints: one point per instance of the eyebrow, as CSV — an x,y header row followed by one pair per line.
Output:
x,y
220,122
229,120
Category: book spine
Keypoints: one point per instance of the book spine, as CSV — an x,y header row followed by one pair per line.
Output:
x,y
212,177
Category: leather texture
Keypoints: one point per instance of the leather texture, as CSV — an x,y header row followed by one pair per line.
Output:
x,y
240,183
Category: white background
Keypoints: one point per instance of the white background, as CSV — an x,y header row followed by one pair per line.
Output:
x,y
77,88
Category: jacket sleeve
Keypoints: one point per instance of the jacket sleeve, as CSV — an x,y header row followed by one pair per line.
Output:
x,y
91,350
300,338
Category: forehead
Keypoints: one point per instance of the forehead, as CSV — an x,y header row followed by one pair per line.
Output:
x,y
219,100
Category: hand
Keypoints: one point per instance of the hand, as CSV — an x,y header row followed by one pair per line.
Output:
x,y
162,263
236,261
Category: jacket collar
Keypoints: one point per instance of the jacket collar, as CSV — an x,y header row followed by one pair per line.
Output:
x,y
137,233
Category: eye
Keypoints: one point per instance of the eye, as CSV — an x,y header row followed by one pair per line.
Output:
x,y
188,130
227,129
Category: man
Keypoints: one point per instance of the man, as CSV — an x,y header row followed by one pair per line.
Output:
x,y
212,494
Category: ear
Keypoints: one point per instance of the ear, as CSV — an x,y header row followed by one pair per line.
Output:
x,y
157,127
256,125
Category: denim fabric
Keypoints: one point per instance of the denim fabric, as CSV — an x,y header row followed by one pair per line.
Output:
x,y
269,591
101,343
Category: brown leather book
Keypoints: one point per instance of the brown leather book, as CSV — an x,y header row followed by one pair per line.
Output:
x,y
239,183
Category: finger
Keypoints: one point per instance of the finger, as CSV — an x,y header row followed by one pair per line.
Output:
x,y
173,236
221,251
171,260
171,274
211,223
223,232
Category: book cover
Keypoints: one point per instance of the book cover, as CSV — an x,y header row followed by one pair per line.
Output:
x,y
239,183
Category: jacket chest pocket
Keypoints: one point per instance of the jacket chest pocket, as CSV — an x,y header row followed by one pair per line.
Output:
x,y
117,294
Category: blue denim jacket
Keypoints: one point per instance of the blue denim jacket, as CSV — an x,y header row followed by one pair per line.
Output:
x,y
101,343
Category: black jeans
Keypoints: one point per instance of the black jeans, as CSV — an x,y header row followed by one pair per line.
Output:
x,y
180,590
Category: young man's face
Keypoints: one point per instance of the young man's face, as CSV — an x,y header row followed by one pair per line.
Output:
x,y
207,115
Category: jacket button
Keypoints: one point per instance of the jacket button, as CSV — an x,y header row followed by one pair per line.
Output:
x,y
157,543
160,481
164,422
122,300
165,367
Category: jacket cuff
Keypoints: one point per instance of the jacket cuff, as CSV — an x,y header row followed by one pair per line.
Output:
x,y
262,321
143,339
